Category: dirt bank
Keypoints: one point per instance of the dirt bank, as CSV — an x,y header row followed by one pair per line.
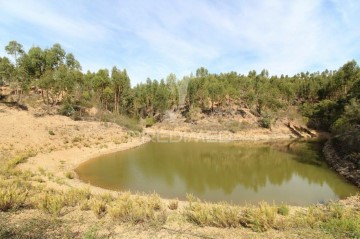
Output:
x,y
344,167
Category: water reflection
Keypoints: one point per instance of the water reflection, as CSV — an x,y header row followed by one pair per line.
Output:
x,y
288,171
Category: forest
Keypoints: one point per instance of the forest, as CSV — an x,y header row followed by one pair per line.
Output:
x,y
329,100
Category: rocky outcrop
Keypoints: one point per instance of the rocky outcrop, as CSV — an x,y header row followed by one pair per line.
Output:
x,y
344,167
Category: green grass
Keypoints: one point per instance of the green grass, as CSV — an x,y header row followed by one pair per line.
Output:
x,y
283,209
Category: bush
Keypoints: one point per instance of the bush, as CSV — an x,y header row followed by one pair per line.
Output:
x,y
98,206
193,114
173,205
217,215
259,219
51,202
265,122
12,197
121,120
67,108
74,197
283,210
69,175
149,121
138,209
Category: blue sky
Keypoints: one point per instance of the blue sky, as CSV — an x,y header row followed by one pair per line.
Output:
x,y
159,37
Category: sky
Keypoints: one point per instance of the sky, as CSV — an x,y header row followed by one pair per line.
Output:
x,y
155,38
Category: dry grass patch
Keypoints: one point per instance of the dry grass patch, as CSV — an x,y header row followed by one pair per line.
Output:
x,y
206,214
173,205
20,158
12,197
138,209
260,218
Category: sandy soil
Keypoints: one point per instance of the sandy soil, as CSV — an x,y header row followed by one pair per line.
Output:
x,y
60,143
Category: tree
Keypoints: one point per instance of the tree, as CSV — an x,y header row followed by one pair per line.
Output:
x,y
54,56
121,88
71,62
215,90
14,48
6,70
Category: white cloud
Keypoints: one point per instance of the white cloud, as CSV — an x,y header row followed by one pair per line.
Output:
x,y
41,14
154,38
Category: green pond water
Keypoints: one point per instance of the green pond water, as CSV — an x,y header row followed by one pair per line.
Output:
x,y
289,172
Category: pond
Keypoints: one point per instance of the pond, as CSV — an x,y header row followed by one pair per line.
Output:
x,y
289,172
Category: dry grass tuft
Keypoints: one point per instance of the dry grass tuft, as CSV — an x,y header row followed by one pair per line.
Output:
x,y
173,205
12,197
139,209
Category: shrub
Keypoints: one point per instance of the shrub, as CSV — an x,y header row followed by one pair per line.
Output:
x,y
74,197
67,108
283,210
138,209
149,121
12,197
70,175
173,205
51,202
265,122
343,228
259,219
217,215
98,206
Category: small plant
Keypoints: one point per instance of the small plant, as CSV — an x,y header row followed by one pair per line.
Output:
x,y
139,209
149,121
173,205
69,175
19,159
265,122
51,203
12,197
76,139
51,132
283,210
41,170
75,197
92,233
98,206
259,219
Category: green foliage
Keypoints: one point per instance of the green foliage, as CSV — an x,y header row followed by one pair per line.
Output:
x,y
283,209
67,108
265,122
323,114
149,121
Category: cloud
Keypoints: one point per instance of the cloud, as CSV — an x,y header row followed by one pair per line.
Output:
x,y
155,38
